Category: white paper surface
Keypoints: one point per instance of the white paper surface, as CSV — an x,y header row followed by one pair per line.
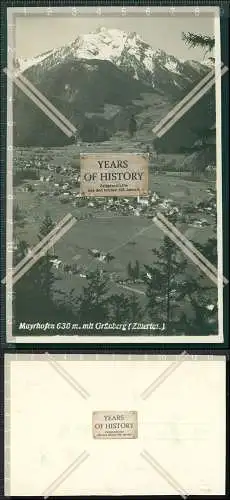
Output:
x,y
181,425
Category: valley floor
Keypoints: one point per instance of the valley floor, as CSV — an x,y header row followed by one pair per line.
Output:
x,y
125,230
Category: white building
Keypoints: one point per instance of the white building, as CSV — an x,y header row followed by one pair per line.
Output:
x,y
144,202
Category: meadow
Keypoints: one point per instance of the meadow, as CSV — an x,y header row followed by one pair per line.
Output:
x,y
126,237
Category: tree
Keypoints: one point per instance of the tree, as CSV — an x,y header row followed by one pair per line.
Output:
x,y
162,281
46,226
18,217
119,308
132,127
92,132
135,310
201,320
20,252
123,308
24,291
44,264
33,300
109,257
137,269
186,304
209,250
34,290
200,296
133,271
205,139
205,146
202,153
130,270
92,304
199,40
203,296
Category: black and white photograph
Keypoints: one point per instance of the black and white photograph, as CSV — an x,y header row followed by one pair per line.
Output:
x,y
130,97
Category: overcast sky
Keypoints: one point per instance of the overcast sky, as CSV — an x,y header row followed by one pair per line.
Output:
x,y
35,35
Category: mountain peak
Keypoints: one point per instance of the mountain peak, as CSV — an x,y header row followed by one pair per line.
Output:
x,y
111,32
100,78
128,51
104,29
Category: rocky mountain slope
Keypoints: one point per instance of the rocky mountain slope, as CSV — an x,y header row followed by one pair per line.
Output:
x,y
97,82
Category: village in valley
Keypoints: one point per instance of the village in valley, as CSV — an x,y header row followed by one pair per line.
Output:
x,y
115,235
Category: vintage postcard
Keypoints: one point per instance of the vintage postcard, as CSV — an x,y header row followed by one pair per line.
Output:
x,y
159,425
114,175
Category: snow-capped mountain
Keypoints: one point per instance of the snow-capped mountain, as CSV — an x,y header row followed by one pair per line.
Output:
x,y
24,64
127,51
99,80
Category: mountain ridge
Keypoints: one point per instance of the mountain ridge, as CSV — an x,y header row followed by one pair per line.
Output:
x,y
99,80
116,46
